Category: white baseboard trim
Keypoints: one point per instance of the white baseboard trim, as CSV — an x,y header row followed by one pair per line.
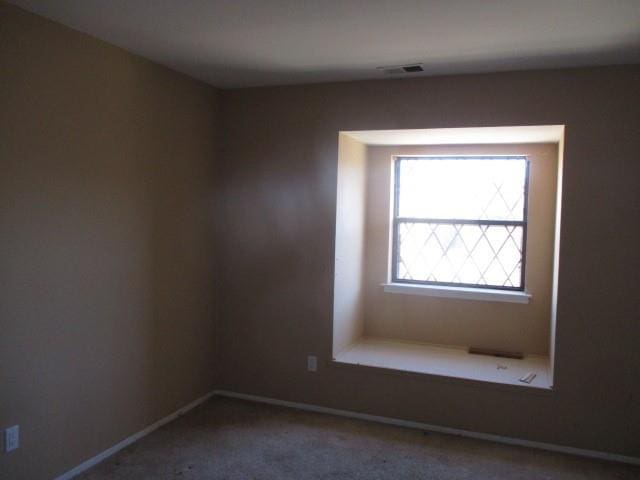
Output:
x,y
133,438
436,428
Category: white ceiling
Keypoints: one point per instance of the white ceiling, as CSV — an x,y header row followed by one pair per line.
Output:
x,y
239,43
461,136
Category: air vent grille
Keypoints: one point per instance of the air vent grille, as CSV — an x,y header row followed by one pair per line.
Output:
x,y
402,69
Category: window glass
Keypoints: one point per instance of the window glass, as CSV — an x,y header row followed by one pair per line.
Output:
x,y
460,221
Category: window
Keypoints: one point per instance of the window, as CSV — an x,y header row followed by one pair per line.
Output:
x,y
460,221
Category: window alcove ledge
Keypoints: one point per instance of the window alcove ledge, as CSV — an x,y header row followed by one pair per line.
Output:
x,y
446,361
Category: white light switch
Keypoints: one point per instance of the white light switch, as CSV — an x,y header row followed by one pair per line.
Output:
x,y
11,438
312,363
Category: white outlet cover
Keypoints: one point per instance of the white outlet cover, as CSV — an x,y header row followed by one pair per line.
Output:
x,y
11,438
312,363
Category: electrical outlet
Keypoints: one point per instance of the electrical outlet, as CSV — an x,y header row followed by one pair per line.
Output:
x,y
11,438
312,363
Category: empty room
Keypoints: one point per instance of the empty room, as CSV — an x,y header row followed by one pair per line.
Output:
x,y
335,239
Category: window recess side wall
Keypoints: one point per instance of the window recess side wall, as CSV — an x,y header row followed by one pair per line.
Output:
x,y
348,299
522,327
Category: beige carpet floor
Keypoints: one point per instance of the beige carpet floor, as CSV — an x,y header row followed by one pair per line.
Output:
x,y
233,439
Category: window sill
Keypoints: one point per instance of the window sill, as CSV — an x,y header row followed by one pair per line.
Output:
x,y
461,293
442,361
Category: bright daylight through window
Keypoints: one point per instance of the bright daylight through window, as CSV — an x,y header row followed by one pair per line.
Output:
x,y
460,221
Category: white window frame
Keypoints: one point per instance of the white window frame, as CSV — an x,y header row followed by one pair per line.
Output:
x,y
455,290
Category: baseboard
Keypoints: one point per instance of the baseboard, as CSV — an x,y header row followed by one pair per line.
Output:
x,y
436,428
133,438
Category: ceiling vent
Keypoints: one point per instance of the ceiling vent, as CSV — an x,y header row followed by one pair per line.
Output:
x,y
402,69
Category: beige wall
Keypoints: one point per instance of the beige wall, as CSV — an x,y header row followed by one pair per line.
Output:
x,y
446,321
106,267
281,146
348,299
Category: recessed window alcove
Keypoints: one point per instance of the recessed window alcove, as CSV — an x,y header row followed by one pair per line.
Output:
x,y
458,282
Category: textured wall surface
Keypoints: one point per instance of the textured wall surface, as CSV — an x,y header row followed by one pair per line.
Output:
x,y
278,213
106,266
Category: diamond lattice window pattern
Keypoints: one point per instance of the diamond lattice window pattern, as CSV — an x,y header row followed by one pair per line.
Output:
x,y
460,221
